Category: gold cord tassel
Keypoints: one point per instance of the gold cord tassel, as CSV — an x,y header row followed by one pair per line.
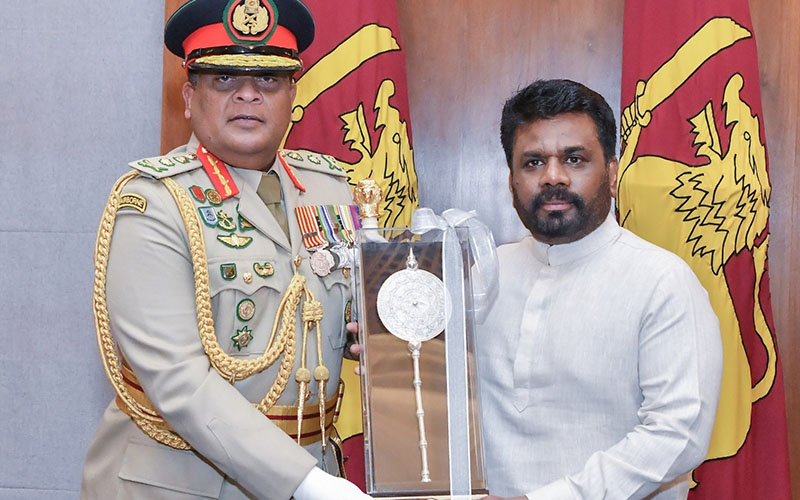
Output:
x,y
312,315
321,374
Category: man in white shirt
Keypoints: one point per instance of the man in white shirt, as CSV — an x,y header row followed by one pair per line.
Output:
x,y
600,362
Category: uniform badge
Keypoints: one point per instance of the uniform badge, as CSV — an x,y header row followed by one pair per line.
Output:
x,y
213,197
246,310
131,200
264,270
250,21
314,159
167,162
242,338
149,164
288,169
332,164
294,155
182,159
228,271
348,311
247,277
198,193
244,224
225,222
208,215
218,173
233,240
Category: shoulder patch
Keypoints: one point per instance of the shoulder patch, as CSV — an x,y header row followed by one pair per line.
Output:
x,y
308,160
167,165
133,200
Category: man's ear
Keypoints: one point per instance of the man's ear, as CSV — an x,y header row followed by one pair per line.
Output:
x,y
613,167
293,90
188,92
510,181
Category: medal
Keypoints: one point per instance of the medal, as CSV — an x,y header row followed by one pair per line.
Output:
x,y
322,262
242,338
329,232
246,310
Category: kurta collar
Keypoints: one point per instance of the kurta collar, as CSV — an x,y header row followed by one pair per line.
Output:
x,y
555,255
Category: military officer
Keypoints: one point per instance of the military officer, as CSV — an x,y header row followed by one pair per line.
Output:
x,y
222,341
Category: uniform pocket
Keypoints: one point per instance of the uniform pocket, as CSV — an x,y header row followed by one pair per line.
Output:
x,y
246,276
245,295
338,288
161,467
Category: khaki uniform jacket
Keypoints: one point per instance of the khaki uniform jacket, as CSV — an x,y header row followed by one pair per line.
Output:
x,y
237,452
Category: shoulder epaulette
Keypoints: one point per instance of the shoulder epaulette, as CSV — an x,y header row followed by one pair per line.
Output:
x,y
307,160
167,165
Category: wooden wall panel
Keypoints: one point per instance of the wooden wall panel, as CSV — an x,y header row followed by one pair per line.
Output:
x,y
778,39
465,58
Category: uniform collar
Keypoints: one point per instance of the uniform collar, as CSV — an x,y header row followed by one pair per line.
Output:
x,y
240,175
253,177
556,255
193,143
252,208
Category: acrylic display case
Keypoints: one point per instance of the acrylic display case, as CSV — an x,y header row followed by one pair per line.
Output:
x,y
422,432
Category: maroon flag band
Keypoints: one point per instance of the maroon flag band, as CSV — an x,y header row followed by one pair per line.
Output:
x,y
693,178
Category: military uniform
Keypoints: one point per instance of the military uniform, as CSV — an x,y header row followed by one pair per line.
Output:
x,y
210,319
151,303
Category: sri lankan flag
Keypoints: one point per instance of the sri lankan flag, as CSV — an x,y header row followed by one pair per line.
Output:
x,y
352,103
694,180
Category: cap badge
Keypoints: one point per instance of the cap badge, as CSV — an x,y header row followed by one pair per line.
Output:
x,y
250,21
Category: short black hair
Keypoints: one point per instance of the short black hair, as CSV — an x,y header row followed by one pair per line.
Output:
x,y
544,99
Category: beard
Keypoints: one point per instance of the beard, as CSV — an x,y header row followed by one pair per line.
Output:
x,y
586,216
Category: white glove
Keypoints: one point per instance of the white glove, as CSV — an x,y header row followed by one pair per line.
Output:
x,y
319,485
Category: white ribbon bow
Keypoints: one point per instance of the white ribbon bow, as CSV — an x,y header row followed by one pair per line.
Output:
x,y
484,282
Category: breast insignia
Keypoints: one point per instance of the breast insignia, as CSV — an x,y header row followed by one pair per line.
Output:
x,y
233,240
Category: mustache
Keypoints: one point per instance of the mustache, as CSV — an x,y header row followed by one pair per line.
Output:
x,y
557,193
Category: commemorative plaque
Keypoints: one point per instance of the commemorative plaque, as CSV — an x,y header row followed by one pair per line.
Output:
x,y
422,433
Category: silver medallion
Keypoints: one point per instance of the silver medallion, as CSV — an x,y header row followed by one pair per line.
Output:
x,y
321,262
411,303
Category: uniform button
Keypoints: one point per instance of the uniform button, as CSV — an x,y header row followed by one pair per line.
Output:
x,y
247,277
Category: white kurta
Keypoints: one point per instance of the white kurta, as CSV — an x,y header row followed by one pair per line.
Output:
x,y
600,367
